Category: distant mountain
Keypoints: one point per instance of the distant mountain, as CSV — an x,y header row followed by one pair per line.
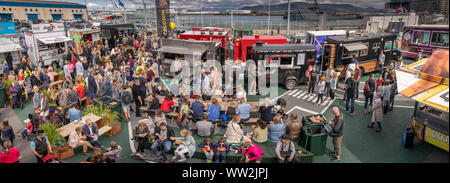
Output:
x,y
302,6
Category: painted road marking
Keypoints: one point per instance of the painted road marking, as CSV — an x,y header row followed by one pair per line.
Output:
x,y
303,94
305,97
311,97
302,109
291,92
301,91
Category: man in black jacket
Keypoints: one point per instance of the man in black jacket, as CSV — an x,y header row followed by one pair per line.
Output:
x,y
92,86
164,137
350,90
369,88
337,132
137,96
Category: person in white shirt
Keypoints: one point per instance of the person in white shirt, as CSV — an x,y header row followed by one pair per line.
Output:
x,y
321,87
76,140
381,59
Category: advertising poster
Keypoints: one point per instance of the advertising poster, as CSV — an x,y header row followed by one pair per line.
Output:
x,y
163,17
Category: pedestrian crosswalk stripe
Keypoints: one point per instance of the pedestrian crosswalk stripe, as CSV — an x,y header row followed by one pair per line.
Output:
x,y
294,92
311,97
303,94
306,96
325,102
291,92
313,100
301,91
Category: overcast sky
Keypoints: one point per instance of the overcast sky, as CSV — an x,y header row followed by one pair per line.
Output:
x,y
195,4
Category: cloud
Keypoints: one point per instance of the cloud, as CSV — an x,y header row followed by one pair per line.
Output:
x,y
93,5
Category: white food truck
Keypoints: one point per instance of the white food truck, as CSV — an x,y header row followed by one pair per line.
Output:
x,y
46,41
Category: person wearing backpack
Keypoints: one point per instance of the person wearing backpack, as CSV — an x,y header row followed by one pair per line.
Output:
x,y
126,97
350,90
369,88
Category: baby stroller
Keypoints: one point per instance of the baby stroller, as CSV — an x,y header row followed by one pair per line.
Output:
x,y
16,93
280,108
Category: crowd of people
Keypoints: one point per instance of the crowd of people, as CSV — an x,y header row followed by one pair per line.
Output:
x,y
130,73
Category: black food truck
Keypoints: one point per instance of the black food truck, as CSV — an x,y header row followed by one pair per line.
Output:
x,y
338,51
109,31
292,61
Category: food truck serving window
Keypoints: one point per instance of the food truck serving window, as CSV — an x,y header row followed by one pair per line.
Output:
x,y
439,39
421,37
388,46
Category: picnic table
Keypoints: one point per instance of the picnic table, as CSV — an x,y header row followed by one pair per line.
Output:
x,y
69,128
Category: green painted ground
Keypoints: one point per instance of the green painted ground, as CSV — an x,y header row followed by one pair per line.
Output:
x,y
362,144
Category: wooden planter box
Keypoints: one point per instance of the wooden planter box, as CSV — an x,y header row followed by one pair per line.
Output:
x,y
115,129
64,155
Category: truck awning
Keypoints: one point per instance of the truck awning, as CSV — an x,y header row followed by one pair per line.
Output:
x,y
52,40
355,46
426,81
179,50
4,48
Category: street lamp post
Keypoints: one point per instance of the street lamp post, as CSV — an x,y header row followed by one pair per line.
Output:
x,y
289,18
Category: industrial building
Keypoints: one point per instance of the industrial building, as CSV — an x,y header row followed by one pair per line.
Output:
x,y
27,10
434,6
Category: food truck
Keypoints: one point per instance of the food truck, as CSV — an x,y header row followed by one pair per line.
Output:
x,y
80,36
318,37
185,49
9,43
208,34
290,60
109,31
243,46
46,41
426,81
425,38
338,51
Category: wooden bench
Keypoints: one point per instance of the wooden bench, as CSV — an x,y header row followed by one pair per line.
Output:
x,y
56,83
104,130
251,121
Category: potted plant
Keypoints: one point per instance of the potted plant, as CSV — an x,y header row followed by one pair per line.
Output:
x,y
62,150
57,142
109,117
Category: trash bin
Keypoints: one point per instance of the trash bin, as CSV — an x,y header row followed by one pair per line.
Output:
x,y
314,138
306,121
2,95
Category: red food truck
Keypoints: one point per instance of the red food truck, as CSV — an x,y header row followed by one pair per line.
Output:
x,y
208,34
243,47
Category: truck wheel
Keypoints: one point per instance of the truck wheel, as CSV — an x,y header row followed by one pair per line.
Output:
x,y
290,84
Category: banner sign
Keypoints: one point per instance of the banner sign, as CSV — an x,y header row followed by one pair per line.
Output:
x,y
51,27
436,138
7,28
163,16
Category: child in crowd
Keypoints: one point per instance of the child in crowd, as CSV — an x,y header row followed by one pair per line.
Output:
x,y
28,127
252,152
220,150
321,87
207,148
333,84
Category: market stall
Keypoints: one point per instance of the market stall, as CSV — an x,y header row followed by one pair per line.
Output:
x,y
80,36
46,41
9,43
427,82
